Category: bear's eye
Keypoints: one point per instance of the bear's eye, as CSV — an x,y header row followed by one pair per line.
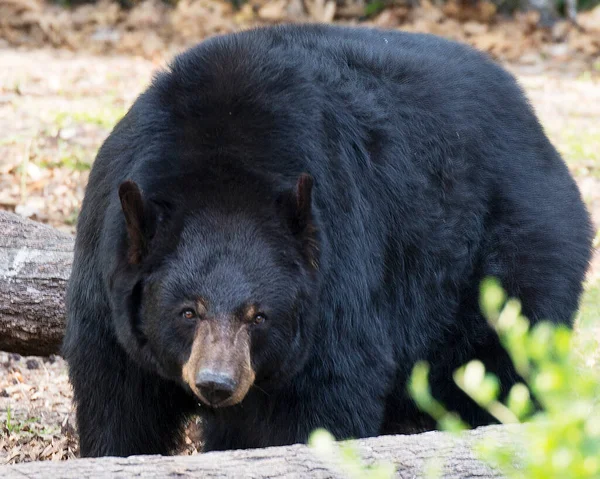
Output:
x,y
188,313
259,318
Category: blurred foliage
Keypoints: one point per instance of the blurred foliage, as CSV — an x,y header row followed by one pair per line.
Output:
x,y
373,7
347,457
562,438
581,4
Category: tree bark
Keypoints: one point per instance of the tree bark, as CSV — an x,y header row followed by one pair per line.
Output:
x,y
35,264
411,456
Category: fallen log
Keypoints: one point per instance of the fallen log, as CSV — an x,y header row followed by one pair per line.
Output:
x,y
411,456
35,263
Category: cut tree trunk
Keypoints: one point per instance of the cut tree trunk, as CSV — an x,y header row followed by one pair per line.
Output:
x,y
412,456
35,263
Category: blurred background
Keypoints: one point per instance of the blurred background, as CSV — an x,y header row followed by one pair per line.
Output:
x,y
70,69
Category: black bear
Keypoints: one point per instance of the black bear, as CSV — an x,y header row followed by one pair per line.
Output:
x,y
290,217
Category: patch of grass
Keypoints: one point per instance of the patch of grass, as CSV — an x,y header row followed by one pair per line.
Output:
x,y
15,426
74,162
73,157
587,76
106,117
49,431
589,310
13,139
374,7
581,151
70,156
71,220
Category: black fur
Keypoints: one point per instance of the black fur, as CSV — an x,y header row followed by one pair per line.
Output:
x,y
430,172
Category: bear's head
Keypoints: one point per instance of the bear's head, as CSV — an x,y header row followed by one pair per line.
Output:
x,y
217,284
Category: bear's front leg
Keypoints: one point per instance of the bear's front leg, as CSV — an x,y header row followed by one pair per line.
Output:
x,y
121,409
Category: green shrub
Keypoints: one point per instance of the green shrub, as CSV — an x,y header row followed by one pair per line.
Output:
x,y
559,440
347,457
562,439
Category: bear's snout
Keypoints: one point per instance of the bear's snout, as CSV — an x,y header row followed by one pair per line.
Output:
x,y
219,369
215,387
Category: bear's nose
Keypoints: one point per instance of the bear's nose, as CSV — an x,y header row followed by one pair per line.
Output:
x,y
215,387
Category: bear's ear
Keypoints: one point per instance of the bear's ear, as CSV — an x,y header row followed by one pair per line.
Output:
x,y
297,205
137,219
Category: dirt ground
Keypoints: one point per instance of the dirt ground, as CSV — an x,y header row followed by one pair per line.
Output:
x,y
57,106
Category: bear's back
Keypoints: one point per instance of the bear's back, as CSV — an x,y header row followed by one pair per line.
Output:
x,y
386,122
